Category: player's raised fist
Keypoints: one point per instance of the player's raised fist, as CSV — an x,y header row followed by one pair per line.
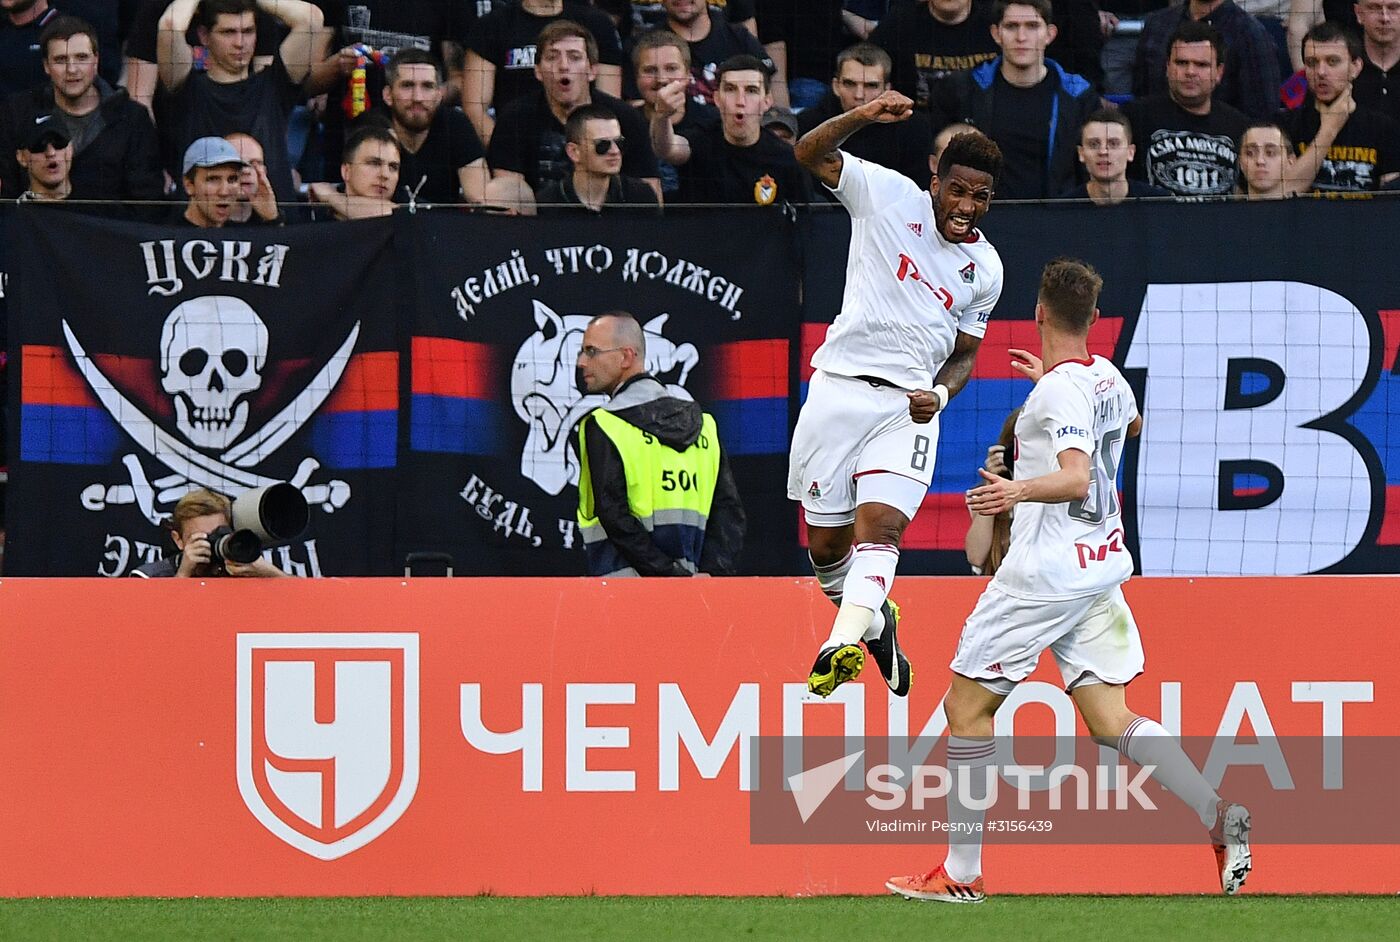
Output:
x,y
890,107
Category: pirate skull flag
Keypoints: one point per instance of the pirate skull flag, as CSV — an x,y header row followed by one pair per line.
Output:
x,y
225,359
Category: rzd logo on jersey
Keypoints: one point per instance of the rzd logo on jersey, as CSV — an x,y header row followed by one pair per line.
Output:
x,y
327,735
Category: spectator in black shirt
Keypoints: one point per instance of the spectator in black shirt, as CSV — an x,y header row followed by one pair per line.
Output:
x,y
1186,139
712,39
1342,147
1105,148
736,162
1378,85
228,95
862,75
115,154
257,203
21,22
142,73
1251,79
661,58
503,53
1266,154
930,40
596,185
372,159
529,140
1027,104
443,160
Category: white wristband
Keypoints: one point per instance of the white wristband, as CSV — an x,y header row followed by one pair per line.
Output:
x,y
940,392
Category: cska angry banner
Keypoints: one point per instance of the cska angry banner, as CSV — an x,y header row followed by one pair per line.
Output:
x,y
225,361
492,470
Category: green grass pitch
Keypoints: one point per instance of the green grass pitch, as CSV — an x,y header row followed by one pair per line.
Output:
x,y
1078,918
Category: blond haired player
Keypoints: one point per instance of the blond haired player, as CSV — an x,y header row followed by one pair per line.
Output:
x,y
1059,588
921,282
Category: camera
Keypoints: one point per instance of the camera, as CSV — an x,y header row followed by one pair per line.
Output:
x,y
263,517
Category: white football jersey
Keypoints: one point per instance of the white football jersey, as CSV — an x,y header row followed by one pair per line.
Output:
x,y
908,291
1074,549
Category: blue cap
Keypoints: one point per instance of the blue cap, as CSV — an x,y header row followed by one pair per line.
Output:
x,y
211,152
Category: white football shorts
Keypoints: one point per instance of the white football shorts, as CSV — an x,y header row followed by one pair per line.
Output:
x,y
850,430
1094,639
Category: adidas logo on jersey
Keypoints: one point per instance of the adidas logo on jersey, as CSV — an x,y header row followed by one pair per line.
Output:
x,y
916,227
995,668
878,580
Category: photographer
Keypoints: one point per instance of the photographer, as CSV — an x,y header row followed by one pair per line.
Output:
x,y
198,514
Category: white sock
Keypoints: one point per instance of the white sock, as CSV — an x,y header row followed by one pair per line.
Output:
x,y
1148,743
852,622
830,578
969,763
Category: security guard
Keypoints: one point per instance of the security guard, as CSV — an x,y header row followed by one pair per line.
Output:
x,y
655,496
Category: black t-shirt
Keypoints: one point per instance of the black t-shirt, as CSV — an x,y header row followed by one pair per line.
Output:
x,y
21,60
431,173
258,105
559,196
1366,148
145,31
529,140
1136,190
924,50
696,116
1376,89
812,30
506,38
652,13
1192,155
723,41
1020,123
764,174
902,146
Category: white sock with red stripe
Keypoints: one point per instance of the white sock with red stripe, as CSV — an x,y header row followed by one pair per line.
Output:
x,y
863,592
1148,743
970,768
831,578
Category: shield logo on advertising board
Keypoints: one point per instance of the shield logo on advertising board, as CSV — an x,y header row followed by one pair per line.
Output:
x,y
327,735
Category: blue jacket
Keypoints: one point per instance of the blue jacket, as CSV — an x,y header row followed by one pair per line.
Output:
x,y
971,96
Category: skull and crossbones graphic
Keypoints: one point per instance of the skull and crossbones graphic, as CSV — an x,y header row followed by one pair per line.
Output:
x,y
213,351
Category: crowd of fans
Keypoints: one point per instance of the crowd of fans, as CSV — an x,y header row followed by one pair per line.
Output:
x,y
342,110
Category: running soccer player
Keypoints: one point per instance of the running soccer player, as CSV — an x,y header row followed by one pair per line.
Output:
x,y
921,282
1059,587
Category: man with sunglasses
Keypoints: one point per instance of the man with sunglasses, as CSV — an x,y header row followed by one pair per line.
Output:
x,y
595,146
529,141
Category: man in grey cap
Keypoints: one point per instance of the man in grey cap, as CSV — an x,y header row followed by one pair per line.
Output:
x,y
212,169
781,122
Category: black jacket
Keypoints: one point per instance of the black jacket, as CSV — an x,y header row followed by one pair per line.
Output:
x,y
675,423
121,163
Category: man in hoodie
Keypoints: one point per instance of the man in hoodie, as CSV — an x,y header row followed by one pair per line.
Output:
x,y
115,153
655,496
1030,106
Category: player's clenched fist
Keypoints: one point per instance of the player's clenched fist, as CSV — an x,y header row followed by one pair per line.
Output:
x,y
923,406
890,107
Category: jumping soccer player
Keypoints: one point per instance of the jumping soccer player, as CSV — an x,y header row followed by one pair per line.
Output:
x,y
920,284
1059,587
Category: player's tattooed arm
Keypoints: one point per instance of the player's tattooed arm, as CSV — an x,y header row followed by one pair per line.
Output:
x,y
817,150
958,368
